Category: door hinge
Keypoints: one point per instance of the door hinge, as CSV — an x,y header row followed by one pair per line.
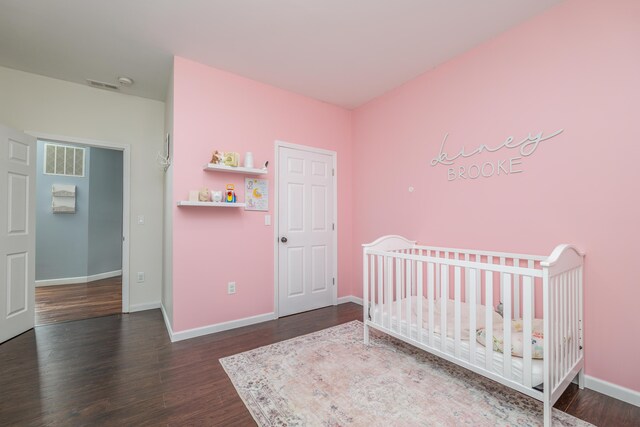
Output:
x,y
333,226
333,172
334,281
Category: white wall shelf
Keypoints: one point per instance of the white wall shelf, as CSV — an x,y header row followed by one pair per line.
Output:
x,y
211,204
238,169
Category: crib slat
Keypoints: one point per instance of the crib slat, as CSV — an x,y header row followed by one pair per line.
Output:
x,y
488,322
516,290
561,327
558,325
569,322
457,311
398,297
506,304
502,262
563,308
365,296
580,310
407,292
438,293
527,298
489,261
574,318
570,337
531,264
554,327
372,284
444,296
414,289
380,301
388,291
569,330
479,278
466,278
419,298
430,296
473,284
558,335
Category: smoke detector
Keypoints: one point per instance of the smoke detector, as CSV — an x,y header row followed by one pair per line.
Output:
x,y
125,81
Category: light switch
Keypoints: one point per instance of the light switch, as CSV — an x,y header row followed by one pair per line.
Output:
x,y
267,220
140,219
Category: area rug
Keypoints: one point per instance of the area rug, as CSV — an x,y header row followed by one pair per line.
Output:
x,y
330,378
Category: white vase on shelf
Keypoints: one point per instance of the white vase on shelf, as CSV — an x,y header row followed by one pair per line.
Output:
x,y
248,160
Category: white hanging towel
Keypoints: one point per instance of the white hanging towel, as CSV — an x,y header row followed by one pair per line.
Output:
x,y
63,204
63,190
63,198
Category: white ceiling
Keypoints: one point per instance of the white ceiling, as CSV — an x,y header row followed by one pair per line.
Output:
x,y
345,52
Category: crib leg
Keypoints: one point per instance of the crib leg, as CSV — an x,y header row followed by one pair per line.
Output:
x,y
366,335
547,414
581,379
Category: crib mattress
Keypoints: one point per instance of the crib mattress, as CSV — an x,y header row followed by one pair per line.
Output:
x,y
517,364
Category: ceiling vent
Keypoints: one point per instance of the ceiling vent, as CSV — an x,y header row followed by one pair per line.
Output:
x,y
102,85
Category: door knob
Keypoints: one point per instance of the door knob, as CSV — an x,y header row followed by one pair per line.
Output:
x,y
283,239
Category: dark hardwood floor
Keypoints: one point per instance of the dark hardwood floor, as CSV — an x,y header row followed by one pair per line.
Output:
x,y
123,370
62,303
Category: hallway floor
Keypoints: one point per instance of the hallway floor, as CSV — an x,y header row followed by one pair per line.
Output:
x,y
62,303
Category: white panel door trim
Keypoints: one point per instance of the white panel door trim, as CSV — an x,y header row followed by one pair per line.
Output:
x,y
276,222
126,191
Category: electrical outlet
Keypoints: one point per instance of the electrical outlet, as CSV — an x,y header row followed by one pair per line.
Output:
x,y
231,288
140,276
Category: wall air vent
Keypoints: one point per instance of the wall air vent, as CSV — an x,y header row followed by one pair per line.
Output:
x,y
102,85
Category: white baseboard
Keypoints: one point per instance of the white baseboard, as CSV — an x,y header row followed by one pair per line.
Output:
x,y
350,298
613,390
167,323
218,327
79,279
145,306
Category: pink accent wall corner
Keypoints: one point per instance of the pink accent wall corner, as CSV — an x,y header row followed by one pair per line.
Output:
x,y
214,109
575,68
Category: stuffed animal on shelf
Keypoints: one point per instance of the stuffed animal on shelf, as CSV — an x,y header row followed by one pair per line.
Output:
x,y
204,195
217,157
231,194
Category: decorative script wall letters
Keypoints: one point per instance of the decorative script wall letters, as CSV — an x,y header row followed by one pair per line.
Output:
x,y
526,147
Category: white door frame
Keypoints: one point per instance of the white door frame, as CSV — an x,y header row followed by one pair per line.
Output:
x,y
276,222
126,189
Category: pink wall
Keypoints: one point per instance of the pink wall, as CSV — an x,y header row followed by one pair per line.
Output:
x,y
575,67
212,246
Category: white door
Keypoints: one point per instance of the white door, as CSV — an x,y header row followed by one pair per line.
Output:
x,y
17,232
306,230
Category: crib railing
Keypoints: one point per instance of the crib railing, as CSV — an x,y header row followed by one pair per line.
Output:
x,y
563,313
401,277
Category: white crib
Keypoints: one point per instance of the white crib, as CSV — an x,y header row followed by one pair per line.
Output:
x,y
415,293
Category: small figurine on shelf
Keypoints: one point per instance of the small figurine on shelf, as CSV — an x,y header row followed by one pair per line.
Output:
x,y
231,194
216,196
204,195
217,157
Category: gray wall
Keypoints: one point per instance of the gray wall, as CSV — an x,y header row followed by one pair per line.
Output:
x,y
61,239
89,241
105,211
